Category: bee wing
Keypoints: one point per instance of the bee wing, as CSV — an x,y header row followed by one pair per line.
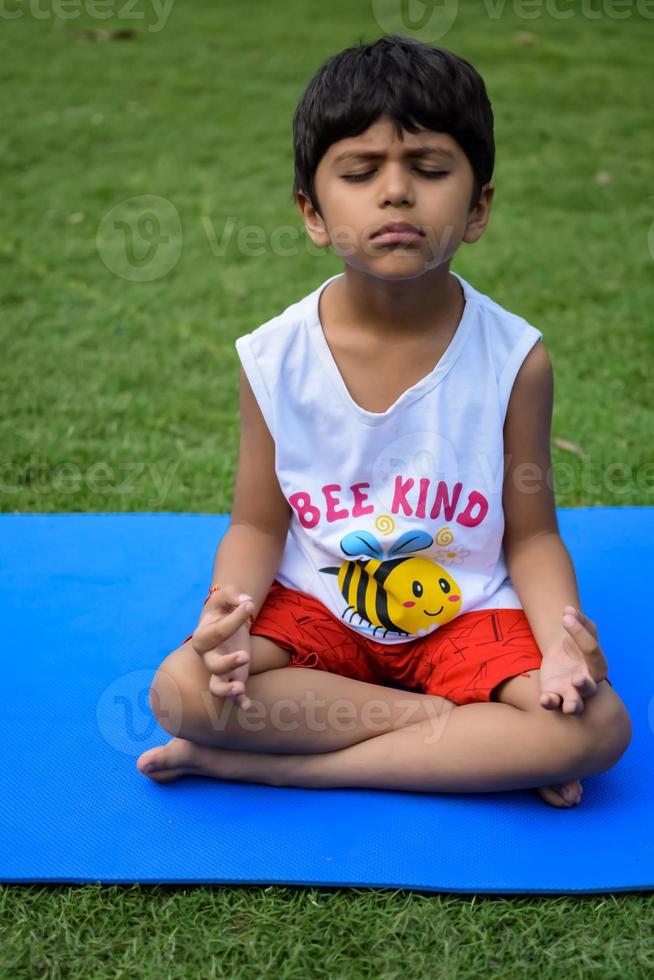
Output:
x,y
411,541
361,543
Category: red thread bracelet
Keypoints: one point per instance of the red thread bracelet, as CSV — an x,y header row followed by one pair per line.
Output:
x,y
214,588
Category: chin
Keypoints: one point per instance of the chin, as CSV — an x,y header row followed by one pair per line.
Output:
x,y
395,267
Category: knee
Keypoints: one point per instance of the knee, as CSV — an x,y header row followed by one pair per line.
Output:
x,y
618,733
166,701
608,730
173,692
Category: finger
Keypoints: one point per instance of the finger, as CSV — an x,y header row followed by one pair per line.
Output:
x,y
222,602
585,620
585,640
211,632
574,624
572,705
550,700
232,617
574,616
223,663
223,688
237,694
585,685
586,644
230,690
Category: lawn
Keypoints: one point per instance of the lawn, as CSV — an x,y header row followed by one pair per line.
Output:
x,y
118,384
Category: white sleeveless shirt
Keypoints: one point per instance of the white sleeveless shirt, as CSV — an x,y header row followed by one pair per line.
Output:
x,y
397,519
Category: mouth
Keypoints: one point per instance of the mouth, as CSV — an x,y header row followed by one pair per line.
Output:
x,y
397,231
436,613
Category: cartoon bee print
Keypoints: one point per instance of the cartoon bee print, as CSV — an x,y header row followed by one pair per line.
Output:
x,y
404,595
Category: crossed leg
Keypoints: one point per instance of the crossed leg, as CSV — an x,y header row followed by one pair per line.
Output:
x,y
390,739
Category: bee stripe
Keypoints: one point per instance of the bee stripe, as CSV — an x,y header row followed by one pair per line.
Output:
x,y
365,590
381,608
347,580
363,587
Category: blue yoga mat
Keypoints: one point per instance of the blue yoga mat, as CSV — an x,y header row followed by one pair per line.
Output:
x,y
91,604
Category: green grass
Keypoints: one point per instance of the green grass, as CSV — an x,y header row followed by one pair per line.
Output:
x,y
120,396
295,933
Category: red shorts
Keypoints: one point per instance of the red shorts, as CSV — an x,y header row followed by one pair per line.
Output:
x,y
463,660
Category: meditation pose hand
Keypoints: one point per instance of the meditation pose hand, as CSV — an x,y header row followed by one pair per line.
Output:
x,y
222,639
573,666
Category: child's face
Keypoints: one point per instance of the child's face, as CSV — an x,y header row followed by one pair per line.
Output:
x,y
396,187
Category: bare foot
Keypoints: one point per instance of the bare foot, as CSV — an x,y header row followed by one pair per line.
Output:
x,y
165,763
179,757
553,794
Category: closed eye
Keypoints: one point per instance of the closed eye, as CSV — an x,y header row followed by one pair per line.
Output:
x,y
425,173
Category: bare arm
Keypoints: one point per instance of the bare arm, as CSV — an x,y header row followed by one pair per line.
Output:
x,y
538,561
544,578
251,550
248,559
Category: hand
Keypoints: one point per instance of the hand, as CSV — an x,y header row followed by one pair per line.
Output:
x,y
573,666
222,639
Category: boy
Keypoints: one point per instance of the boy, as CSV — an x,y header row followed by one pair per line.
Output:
x,y
382,537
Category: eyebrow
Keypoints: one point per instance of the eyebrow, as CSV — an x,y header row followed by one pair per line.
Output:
x,y
418,151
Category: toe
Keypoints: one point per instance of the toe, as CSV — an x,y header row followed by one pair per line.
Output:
x,y
562,794
551,796
571,792
167,761
151,760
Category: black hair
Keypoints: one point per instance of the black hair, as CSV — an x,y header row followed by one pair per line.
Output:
x,y
415,84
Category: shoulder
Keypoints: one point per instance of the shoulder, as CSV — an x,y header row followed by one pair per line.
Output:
x,y
529,411
523,365
507,336
282,323
528,495
535,372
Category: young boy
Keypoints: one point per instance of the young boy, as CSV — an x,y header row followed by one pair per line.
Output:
x,y
393,547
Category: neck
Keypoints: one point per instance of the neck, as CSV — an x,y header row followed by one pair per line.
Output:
x,y
396,309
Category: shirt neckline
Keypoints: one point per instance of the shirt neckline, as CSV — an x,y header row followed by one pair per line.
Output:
x,y
422,386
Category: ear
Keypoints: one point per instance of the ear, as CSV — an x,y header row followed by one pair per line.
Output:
x,y
313,222
478,218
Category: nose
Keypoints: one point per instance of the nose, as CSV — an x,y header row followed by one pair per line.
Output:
x,y
395,185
